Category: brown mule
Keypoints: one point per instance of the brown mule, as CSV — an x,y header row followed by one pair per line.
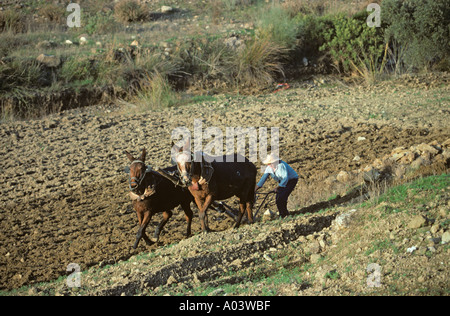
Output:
x,y
151,193
219,179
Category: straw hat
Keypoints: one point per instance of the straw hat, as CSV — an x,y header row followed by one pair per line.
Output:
x,y
271,159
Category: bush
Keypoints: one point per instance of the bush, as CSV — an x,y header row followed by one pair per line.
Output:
x,y
236,4
128,11
155,93
278,26
311,33
76,68
52,12
19,73
258,64
352,44
12,21
421,28
101,23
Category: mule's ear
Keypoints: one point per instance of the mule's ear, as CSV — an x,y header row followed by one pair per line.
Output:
x,y
129,156
175,148
187,145
144,153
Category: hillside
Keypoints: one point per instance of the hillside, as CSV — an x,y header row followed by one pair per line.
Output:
x,y
67,201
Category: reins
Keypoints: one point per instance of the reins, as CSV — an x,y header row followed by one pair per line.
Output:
x,y
265,198
206,169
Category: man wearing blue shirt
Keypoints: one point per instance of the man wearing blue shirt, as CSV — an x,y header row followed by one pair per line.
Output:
x,y
286,177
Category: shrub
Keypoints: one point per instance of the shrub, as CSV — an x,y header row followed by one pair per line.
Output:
x,y
52,12
19,73
209,59
352,44
76,68
420,27
280,28
12,21
128,11
101,23
258,64
311,33
155,92
235,4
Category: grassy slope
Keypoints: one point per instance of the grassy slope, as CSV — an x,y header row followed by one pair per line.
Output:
x,y
333,261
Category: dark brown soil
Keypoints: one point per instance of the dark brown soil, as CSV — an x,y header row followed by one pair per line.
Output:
x,y
64,195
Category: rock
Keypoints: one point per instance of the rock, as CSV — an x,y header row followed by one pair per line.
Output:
x,y
417,222
445,237
234,43
217,292
268,216
435,228
361,138
171,280
315,258
343,177
166,9
267,257
343,220
237,263
305,61
68,42
330,180
17,276
32,291
83,40
446,144
46,45
313,247
50,61
416,164
408,158
424,148
134,43
371,176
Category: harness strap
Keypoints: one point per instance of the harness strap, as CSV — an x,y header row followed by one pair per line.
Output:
x,y
206,170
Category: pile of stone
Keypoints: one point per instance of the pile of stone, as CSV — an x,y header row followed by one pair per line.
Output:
x,y
401,161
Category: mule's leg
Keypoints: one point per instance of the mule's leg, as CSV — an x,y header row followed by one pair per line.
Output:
x,y
139,215
249,206
188,214
241,213
166,216
143,221
202,212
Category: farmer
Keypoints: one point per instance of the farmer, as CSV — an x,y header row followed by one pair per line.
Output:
x,y
285,176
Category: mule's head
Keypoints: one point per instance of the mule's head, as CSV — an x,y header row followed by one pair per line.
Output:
x,y
182,157
137,170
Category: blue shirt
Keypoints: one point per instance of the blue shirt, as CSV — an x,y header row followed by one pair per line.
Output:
x,y
283,173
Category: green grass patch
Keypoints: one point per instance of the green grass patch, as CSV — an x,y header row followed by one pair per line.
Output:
x,y
415,191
